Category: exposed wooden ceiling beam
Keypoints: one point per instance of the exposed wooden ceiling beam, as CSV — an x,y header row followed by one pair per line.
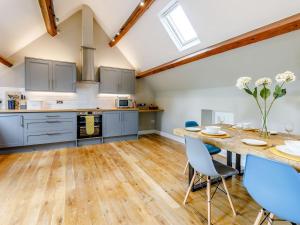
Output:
x,y
274,29
47,10
142,7
5,62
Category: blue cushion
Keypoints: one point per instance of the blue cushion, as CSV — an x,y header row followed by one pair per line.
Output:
x,y
212,149
191,124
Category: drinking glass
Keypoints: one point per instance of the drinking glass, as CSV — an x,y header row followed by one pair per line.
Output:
x,y
289,128
221,119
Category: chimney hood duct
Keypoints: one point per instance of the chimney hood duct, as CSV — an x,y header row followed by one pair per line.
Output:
x,y
87,49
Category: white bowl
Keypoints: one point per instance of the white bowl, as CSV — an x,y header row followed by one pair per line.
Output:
x,y
293,145
246,125
213,129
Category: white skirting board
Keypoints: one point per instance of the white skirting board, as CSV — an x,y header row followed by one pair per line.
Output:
x,y
181,140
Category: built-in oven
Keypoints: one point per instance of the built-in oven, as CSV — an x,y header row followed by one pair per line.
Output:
x,y
82,125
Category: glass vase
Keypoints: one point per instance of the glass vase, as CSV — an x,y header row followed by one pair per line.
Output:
x,y
264,132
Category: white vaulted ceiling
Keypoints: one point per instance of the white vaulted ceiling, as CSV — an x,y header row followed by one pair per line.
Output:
x,y
21,21
147,44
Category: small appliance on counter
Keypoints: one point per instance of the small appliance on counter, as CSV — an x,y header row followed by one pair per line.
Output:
x,y
123,102
143,106
153,107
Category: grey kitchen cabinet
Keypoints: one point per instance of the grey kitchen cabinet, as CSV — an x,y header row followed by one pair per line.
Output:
x,y
64,77
38,74
45,128
109,80
112,124
120,123
130,122
48,75
11,130
127,82
117,81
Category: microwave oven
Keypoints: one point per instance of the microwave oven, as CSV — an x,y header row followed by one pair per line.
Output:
x,y
124,103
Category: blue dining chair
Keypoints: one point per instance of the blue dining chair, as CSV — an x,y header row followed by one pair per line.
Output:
x,y
204,165
213,150
275,187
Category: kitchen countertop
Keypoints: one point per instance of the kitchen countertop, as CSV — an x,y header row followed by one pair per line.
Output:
x,y
76,110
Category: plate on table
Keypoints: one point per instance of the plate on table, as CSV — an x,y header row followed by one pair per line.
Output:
x,y
220,133
254,142
193,129
287,150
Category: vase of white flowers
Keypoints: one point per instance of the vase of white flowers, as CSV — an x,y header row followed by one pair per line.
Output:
x,y
262,89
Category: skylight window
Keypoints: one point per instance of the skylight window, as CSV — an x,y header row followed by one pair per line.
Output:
x,y
178,26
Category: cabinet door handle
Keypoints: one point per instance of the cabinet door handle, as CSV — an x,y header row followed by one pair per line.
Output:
x,y
22,121
52,116
53,133
53,121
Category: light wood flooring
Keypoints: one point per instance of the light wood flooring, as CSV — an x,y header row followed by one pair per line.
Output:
x,y
132,182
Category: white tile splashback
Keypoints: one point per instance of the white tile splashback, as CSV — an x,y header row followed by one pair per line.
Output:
x,y
86,97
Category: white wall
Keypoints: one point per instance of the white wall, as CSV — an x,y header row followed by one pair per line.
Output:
x,y
210,84
181,106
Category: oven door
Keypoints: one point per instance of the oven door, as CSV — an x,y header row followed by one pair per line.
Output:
x,y
81,127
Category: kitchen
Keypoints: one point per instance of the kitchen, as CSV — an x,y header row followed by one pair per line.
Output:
x,y
140,112
58,94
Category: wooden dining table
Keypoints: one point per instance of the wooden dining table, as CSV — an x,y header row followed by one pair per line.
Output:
x,y
233,145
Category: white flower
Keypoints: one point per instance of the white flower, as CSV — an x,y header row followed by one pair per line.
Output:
x,y
242,82
263,81
287,76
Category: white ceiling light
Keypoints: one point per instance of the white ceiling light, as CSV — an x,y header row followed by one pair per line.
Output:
x,y
178,26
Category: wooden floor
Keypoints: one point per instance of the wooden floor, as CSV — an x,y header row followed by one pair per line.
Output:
x,y
132,182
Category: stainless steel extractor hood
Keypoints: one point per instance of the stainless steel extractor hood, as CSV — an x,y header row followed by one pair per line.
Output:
x,y
87,48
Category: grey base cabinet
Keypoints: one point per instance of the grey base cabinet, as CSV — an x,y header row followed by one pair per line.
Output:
x,y
45,128
11,130
120,123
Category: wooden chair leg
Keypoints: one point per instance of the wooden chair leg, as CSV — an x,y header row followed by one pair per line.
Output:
x,y
186,166
270,219
259,216
208,201
189,188
228,196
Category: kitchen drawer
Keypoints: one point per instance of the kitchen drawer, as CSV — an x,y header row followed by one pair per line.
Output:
x,y
34,139
50,125
49,116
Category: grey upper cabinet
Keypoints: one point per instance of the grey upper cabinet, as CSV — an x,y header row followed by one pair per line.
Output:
x,y
48,75
117,81
38,74
109,80
130,122
64,77
127,82
11,130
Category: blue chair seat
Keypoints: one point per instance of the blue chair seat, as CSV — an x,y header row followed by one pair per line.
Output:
x,y
212,149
